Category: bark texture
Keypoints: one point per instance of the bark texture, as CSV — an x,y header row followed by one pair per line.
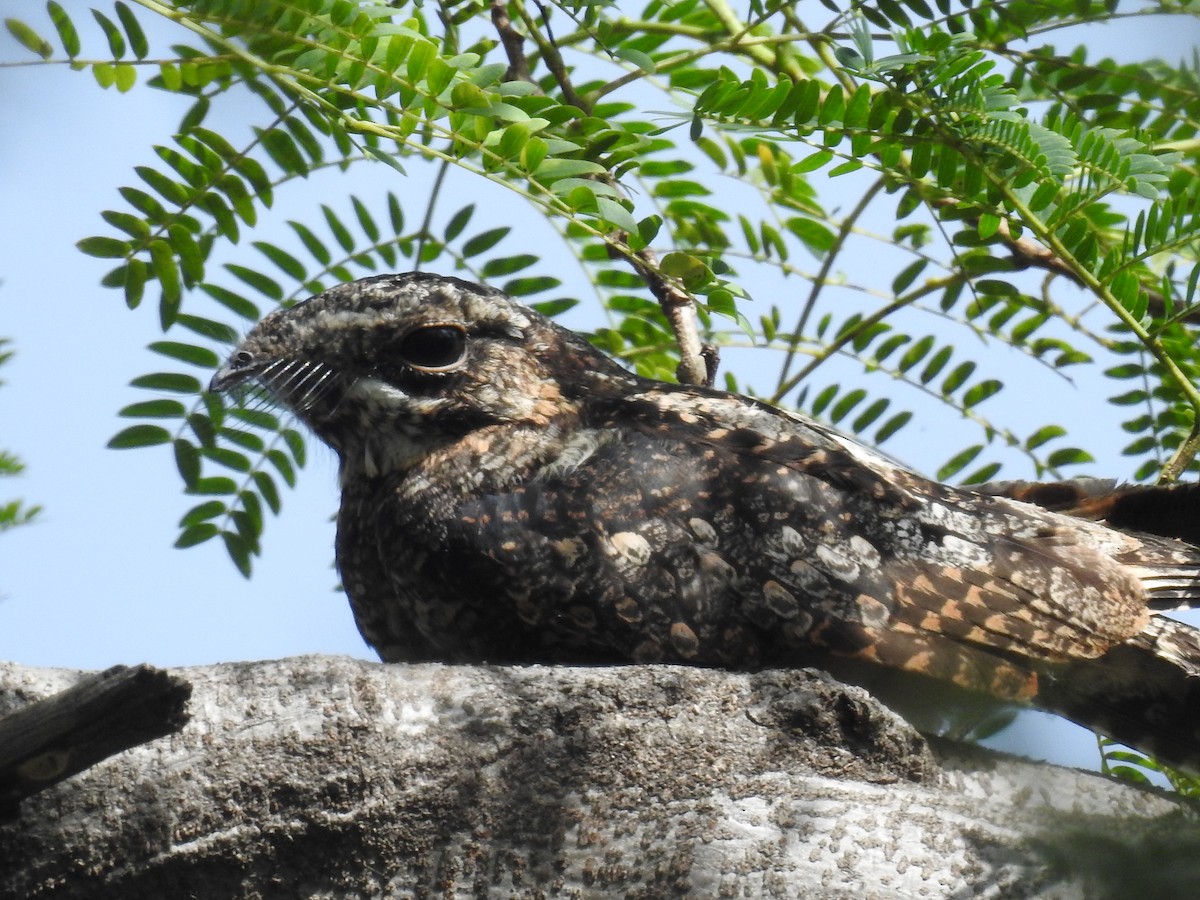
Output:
x,y
49,740
335,778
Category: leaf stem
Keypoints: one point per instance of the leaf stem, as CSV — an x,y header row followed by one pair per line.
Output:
x,y
784,386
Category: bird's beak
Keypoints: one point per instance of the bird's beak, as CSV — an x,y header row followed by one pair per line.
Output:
x,y
226,377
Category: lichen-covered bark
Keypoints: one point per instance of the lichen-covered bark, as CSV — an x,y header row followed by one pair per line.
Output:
x,y
326,777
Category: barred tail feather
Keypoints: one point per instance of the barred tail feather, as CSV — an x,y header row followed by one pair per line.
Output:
x,y
1165,510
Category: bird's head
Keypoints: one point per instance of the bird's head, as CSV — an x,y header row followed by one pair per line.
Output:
x,y
391,367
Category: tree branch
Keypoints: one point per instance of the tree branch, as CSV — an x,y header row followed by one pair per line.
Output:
x,y
554,61
697,363
50,740
348,779
513,41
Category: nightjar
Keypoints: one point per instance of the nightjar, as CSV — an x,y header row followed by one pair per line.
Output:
x,y
511,495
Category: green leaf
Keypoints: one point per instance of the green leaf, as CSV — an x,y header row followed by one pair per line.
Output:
x,y
845,404
340,232
268,490
202,512
1069,456
920,7
642,60
197,534
238,550
295,444
684,266
312,243
420,56
168,381
485,241
458,222
554,168
257,280
936,364
1044,195
216,486
188,252
915,353
170,190
809,100
116,40
908,275
534,152
104,74
1044,435
439,75
140,436
849,58
983,474
135,277
154,409
187,461
105,247
132,225
507,265
29,39
133,30
859,107
284,260
868,416
891,426
833,107
813,162
65,28
162,262
231,301
817,237
395,214
283,151
976,394
958,377
365,220
188,353
203,428
823,399
243,439
616,213
958,462
230,459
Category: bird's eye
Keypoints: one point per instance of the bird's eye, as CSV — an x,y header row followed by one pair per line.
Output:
x,y
434,348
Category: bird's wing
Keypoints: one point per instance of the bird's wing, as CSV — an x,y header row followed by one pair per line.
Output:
x,y
974,571
1161,521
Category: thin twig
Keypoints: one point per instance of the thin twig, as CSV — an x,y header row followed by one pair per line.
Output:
x,y
513,41
424,234
697,365
1030,254
554,61
821,280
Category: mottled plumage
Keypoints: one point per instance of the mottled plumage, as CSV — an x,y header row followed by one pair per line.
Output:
x,y
509,494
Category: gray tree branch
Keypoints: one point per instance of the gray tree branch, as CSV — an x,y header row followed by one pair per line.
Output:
x,y
329,777
48,741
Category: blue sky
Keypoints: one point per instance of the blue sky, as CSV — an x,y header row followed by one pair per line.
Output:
x,y
96,581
